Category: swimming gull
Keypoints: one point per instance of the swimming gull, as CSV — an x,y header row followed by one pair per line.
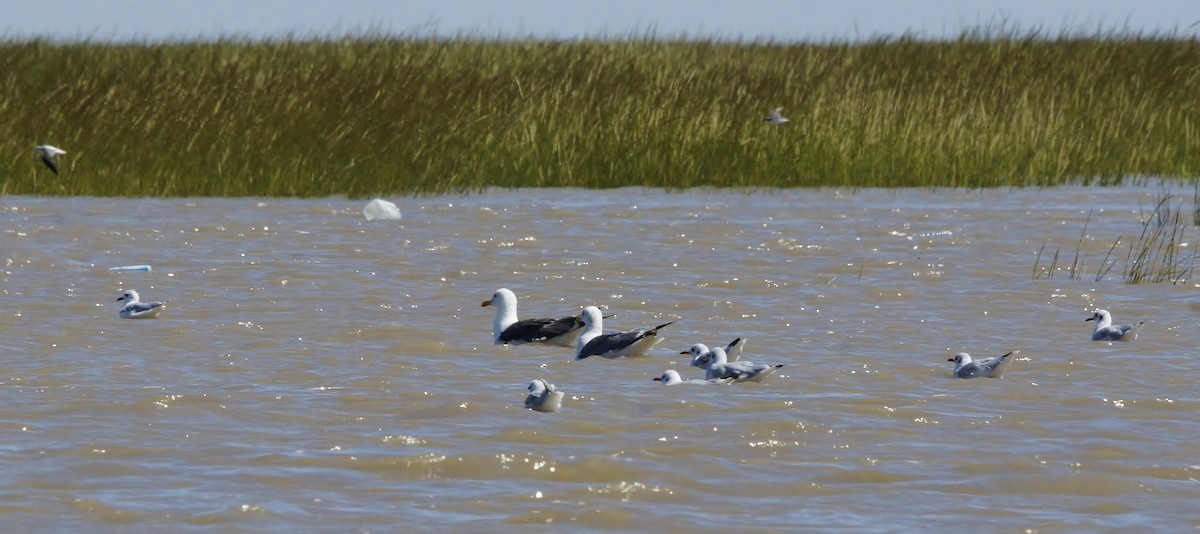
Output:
x,y
134,308
671,377
1105,331
506,329
776,117
543,397
49,152
717,366
964,367
733,351
594,342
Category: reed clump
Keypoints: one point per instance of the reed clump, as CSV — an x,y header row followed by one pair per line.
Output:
x,y
1161,252
376,115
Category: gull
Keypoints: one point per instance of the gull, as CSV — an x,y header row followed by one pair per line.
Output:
x,y
543,397
49,152
671,377
717,366
506,329
775,116
593,342
1105,331
964,367
136,309
733,351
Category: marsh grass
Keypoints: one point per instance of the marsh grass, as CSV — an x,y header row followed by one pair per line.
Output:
x,y
369,116
1160,253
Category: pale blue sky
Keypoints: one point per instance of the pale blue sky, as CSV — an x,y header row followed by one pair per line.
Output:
x,y
797,20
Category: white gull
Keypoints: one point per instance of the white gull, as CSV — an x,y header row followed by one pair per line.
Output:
x,y
776,117
964,367
134,308
1105,331
49,152
671,377
543,397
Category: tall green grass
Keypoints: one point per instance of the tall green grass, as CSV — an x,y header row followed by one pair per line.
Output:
x,y
370,116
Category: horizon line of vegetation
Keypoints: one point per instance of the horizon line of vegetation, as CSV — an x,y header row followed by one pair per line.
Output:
x,y
365,117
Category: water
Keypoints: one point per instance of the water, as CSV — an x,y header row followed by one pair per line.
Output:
x,y
315,371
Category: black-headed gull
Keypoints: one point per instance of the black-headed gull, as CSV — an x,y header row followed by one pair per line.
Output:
x,y
594,342
134,308
964,367
1105,331
506,329
775,117
49,152
543,397
718,367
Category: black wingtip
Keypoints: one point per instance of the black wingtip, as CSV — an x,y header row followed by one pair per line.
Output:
x,y
663,325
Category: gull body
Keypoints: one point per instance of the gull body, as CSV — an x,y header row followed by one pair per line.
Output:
x,y
508,330
594,342
48,153
543,397
965,367
1105,331
134,308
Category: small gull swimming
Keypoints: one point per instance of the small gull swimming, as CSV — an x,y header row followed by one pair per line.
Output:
x,y
49,152
671,377
594,342
543,397
964,367
134,308
506,329
775,117
717,366
1105,331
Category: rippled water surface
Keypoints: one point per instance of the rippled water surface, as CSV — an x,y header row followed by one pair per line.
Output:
x,y
318,372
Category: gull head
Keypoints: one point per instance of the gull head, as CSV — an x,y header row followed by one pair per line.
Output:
x,y
697,350
669,377
502,298
592,318
543,396
960,359
129,296
1102,317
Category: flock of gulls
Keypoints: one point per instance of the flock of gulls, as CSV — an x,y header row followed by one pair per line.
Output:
x,y
721,365
585,332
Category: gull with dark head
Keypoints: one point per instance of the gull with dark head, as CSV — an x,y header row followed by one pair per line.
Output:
x,y
1105,331
49,152
134,308
594,342
507,330
965,367
718,367
543,397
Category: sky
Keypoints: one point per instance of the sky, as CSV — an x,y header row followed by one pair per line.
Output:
x,y
777,20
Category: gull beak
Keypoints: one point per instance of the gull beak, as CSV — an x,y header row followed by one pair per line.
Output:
x,y
949,359
1092,318
685,352
486,303
657,379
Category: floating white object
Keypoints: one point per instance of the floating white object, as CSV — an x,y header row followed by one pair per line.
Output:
x,y
381,209
132,268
